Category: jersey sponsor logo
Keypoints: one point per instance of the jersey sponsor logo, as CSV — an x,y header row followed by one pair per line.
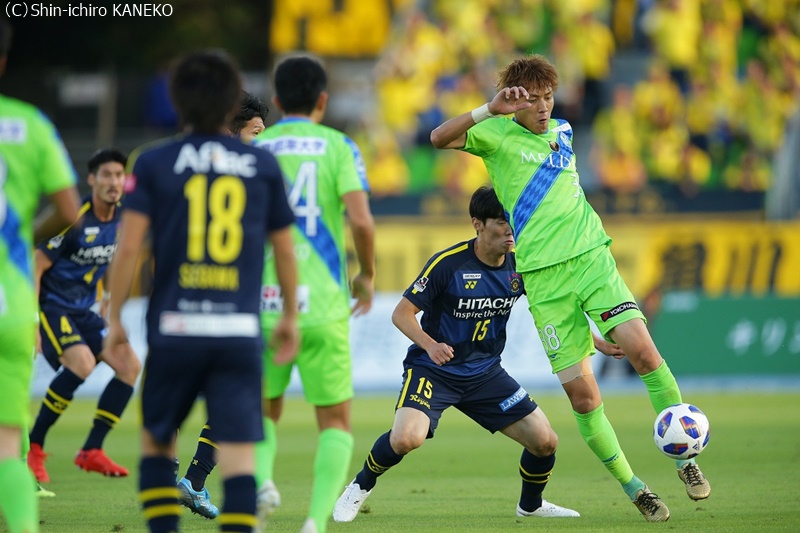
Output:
x,y
92,230
552,159
13,130
290,145
471,276
563,127
564,138
420,284
470,284
476,304
272,299
611,313
513,400
212,156
515,281
97,255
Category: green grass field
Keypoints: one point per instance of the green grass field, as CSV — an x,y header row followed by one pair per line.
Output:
x,y
467,480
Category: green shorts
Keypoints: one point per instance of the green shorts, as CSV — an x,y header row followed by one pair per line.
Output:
x,y
560,297
16,367
323,361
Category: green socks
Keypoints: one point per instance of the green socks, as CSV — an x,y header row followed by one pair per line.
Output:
x,y
332,461
265,453
662,387
597,432
18,500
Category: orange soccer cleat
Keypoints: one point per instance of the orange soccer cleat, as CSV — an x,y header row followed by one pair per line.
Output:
x,y
36,457
96,460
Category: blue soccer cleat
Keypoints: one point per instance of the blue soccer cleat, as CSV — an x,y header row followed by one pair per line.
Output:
x,y
197,502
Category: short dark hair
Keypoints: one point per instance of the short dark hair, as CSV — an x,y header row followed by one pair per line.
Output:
x,y
298,83
106,155
484,205
6,34
205,87
250,106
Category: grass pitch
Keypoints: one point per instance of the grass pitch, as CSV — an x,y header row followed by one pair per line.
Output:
x,y
466,479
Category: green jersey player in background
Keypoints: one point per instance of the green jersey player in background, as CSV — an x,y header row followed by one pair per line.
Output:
x,y
325,175
32,161
564,257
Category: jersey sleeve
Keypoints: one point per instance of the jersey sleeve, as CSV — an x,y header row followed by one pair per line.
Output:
x,y
430,283
55,167
352,174
138,192
58,245
484,137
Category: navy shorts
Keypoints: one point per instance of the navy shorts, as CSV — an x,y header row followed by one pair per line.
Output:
x,y
61,328
493,399
228,376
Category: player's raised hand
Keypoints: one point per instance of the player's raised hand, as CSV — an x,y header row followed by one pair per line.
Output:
x,y
363,289
285,340
440,353
509,100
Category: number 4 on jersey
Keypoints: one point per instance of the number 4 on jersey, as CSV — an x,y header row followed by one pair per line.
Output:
x,y
306,181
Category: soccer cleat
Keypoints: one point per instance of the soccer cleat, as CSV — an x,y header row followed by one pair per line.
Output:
x,y
267,500
653,509
96,460
350,502
43,492
36,457
309,526
548,510
697,486
198,502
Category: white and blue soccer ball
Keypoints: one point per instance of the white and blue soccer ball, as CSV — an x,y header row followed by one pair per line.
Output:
x,y
681,431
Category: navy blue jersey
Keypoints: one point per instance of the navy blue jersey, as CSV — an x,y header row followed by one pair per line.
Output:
x,y
211,201
80,255
466,304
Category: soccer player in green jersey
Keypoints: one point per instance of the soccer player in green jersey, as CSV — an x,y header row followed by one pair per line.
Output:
x,y
325,176
32,161
564,257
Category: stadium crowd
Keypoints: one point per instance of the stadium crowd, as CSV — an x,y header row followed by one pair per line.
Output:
x,y
722,78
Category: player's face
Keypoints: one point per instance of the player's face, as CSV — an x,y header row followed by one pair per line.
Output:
x,y
107,183
498,236
536,117
252,127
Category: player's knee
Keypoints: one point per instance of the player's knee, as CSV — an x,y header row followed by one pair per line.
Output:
x,y
404,442
544,445
81,366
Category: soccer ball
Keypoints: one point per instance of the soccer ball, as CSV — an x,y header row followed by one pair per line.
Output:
x,y
681,431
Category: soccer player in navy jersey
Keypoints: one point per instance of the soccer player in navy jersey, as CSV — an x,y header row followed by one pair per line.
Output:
x,y
246,124
68,269
210,203
465,293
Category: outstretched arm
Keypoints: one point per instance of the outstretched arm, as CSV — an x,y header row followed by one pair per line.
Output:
x,y
453,133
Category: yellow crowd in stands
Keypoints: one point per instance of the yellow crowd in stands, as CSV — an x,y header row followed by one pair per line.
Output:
x,y
723,77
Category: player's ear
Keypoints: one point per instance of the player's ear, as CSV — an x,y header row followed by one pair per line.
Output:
x,y
90,179
477,224
322,101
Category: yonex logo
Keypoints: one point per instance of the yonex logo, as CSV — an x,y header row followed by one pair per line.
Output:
x,y
470,284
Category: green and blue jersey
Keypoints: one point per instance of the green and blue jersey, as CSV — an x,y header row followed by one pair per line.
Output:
x,y
33,162
320,166
536,180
